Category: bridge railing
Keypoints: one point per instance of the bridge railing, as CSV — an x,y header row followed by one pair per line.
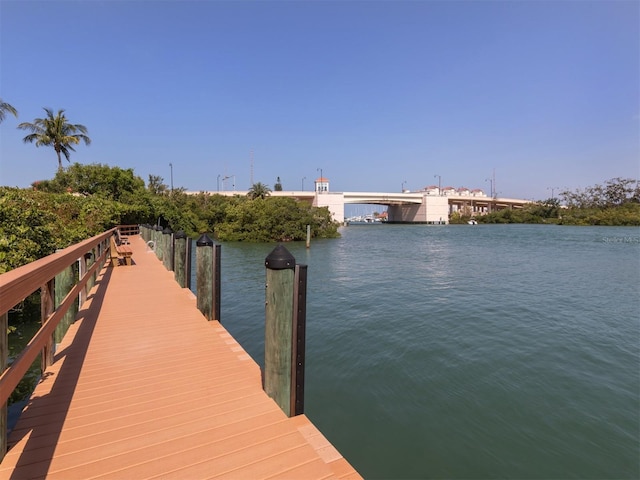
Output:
x,y
16,285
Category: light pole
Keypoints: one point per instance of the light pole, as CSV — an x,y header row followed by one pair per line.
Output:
x,y
224,179
171,167
303,183
439,184
490,185
553,189
218,182
321,178
490,205
402,187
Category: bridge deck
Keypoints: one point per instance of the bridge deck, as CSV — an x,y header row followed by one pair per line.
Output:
x,y
144,387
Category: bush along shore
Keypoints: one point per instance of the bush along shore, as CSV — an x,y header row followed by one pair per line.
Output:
x,y
616,203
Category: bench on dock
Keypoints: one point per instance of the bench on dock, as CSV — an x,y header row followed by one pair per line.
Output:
x,y
121,239
118,252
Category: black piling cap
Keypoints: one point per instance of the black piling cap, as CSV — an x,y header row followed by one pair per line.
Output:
x,y
167,230
280,259
180,234
204,241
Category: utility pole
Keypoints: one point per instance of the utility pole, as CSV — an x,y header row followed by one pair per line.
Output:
x,y
171,167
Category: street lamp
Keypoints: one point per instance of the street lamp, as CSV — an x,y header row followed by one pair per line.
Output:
x,y
171,167
402,187
224,179
303,183
321,177
218,182
439,184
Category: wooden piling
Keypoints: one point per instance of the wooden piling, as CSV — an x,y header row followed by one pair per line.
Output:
x,y
208,277
182,259
280,277
308,236
167,248
159,243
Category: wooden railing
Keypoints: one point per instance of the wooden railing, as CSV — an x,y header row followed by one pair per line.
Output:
x,y
18,284
128,230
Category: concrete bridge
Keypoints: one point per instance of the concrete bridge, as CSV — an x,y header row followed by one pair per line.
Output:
x,y
402,207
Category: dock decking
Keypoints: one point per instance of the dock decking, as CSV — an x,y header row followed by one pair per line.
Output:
x,y
143,386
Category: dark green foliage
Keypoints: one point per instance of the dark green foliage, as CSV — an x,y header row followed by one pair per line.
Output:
x,y
274,219
26,228
617,202
627,214
112,183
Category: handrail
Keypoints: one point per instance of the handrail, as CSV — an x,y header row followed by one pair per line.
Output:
x,y
19,283
129,230
10,378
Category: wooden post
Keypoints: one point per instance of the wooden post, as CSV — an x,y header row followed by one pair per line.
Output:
x,y
167,248
46,309
159,243
89,259
279,308
208,277
4,357
298,343
63,284
308,236
180,258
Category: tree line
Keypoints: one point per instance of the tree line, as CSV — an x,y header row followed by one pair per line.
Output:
x,y
614,203
84,200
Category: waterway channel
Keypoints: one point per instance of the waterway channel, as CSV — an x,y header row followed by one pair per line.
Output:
x,y
489,351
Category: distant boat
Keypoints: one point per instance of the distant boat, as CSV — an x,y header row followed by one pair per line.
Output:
x,y
472,222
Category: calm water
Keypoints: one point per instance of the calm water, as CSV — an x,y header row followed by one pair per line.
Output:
x,y
465,351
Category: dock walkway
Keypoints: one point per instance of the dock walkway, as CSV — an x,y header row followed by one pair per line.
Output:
x,y
143,386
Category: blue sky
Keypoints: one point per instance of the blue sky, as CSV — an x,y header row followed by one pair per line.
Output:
x,y
374,93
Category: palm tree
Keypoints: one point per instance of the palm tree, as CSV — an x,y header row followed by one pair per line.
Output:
x,y
54,131
6,108
258,190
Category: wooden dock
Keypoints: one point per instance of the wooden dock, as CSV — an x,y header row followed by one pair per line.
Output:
x,y
143,386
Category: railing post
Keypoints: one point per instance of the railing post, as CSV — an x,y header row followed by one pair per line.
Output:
x,y
89,259
208,277
167,248
46,309
182,259
63,284
4,358
285,312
